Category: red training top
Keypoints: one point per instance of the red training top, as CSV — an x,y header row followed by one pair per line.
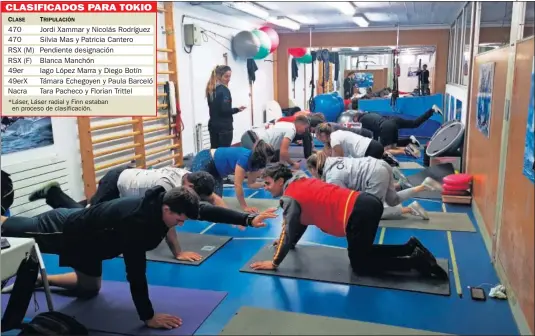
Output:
x,y
322,204
287,119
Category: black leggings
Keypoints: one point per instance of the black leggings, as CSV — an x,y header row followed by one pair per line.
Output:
x,y
308,143
220,138
107,186
375,150
365,256
389,133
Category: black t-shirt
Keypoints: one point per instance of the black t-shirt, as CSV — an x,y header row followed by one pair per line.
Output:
x,y
425,76
372,121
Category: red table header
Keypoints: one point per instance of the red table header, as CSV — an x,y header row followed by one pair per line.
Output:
x,y
79,6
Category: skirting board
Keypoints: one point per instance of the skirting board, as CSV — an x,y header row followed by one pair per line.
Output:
x,y
518,315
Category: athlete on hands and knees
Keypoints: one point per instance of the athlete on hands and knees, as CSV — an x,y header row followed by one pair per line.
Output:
x,y
342,213
131,182
131,226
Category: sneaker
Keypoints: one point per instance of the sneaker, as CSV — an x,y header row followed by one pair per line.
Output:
x,y
439,272
41,193
432,184
421,263
418,210
390,159
401,178
415,141
437,110
411,150
415,243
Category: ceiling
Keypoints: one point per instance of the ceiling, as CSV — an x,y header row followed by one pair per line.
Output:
x,y
324,16
413,50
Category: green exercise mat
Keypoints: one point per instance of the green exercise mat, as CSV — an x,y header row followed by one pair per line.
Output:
x,y
256,321
440,221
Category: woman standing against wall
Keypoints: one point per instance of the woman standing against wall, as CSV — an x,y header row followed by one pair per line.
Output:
x,y
220,107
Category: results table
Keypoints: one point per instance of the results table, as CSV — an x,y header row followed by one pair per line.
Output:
x,y
79,58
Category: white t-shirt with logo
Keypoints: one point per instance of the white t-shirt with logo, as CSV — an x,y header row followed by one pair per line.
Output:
x,y
274,135
352,144
135,182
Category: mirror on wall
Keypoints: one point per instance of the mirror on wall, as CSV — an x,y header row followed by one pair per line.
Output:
x,y
357,71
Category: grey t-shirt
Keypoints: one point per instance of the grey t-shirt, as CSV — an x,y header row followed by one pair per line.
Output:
x,y
135,182
352,144
277,133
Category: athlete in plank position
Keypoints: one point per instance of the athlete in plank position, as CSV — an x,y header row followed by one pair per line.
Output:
x,y
131,226
386,129
372,176
342,213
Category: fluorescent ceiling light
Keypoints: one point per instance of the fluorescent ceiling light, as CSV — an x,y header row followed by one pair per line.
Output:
x,y
284,22
377,17
360,21
335,49
303,19
344,7
268,5
250,9
355,49
372,4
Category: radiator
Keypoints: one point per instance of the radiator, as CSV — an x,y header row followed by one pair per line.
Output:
x,y
30,175
202,138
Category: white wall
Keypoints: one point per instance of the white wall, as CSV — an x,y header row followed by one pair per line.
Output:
x,y
459,92
406,83
302,84
193,70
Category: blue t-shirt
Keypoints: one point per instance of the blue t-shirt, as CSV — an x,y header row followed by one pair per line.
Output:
x,y
226,159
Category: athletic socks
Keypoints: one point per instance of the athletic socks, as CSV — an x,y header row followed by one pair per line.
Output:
x,y
418,210
437,110
42,192
415,141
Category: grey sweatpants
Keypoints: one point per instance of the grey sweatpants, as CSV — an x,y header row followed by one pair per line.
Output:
x,y
382,185
393,212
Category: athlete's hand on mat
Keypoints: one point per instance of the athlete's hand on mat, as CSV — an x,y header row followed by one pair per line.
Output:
x,y
164,321
241,108
189,256
258,221
251,210
239,227
263,265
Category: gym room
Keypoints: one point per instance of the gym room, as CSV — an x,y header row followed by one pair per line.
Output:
x,y
265,108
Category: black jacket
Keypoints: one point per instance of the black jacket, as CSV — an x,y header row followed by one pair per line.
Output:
x,y
221,110
131,226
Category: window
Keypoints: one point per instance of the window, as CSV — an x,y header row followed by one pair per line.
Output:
x,y
466,57
495,25
529,20
459,48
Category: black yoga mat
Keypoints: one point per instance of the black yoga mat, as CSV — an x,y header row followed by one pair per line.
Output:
x,y
205,245
330,264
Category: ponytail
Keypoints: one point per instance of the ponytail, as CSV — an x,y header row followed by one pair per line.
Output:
x,y
216,74
262,152
317,162
324,128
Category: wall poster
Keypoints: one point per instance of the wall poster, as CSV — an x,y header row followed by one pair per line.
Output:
x,y
484,98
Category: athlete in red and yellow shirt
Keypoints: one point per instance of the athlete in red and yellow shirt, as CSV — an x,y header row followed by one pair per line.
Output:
x,y
340,212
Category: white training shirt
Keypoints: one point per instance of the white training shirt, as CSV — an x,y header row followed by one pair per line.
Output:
x,y
352,144
135,182
277,133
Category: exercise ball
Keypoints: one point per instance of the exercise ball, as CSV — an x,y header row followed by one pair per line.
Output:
x,y
346,117
329,105
297,52
245,44
307,59
265,44
273,36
